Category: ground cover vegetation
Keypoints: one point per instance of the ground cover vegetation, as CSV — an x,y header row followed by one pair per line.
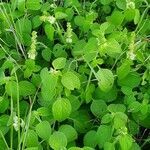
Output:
x,y
74,74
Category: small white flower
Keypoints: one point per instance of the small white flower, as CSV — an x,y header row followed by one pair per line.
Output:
x,y
53,5
51,19
130,5
69,33
17,122
15,119
32,52
32,55
131,55
53,71
68,40
43,18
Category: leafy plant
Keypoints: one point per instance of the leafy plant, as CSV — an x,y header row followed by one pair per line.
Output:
x,y
74,74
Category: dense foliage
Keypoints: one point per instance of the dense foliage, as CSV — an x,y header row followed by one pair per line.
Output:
x,y
74,74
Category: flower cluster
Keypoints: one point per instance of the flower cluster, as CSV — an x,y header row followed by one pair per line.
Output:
x,y
131,53
130,4
53,71
32,51
69,33
50,19
17,122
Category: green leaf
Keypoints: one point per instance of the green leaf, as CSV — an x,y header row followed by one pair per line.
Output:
x,y
121,4
58,51
32,148
12,89
120,120
78,48
49,31
127,90
106,2
106,118
89,93
60,15
144,109
111,47
90,49
124,69
46,54
36,22
109,146
26,39
109,97
23,25
134,107
26,88
70,80
135,146
58,140
104,134
32,139
88,148
116,18
30,64
49,83
44,111
3,144
98,108
133,127
113,108
137,16
4,104
75,102
27,73
2,53
106,79
3,124
24,107
21,5
43,129
33,4
61,109
79,20
45,7
71,3
69,131
75,148
131,80
90,139
70,13
125,142
103,27
81,120
129,15
2,77
59,63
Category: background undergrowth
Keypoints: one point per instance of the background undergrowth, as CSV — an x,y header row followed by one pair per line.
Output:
x,y
74,74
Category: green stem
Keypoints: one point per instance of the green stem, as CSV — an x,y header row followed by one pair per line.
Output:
x,y
141,19
59,32
11,131
18,111
146,141
4,139
89,80
28,120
